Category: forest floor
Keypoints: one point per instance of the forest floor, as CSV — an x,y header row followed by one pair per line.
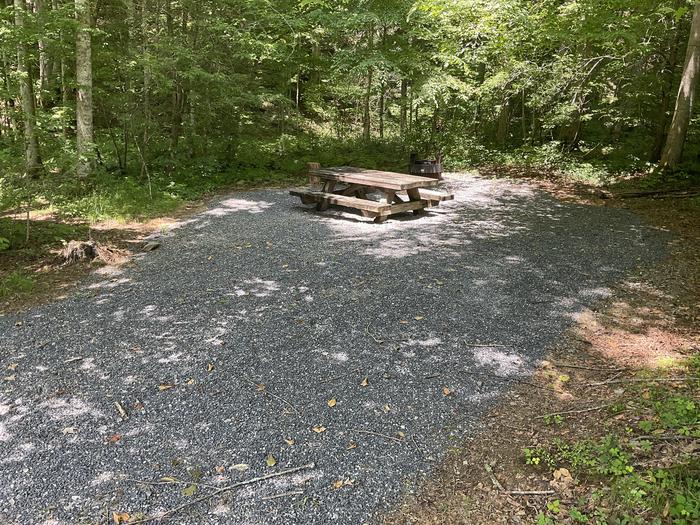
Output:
x,y
608,429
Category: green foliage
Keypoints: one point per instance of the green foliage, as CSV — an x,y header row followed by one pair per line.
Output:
x,y
627,493
4,244
15,284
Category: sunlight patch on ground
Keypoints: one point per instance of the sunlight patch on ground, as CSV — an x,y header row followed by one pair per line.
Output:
x,y
622,342
229,206
63,409
504,363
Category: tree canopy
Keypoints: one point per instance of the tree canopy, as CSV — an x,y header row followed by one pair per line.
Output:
x,y
167,95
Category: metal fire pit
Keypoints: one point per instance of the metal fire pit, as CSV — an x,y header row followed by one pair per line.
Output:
x,y
426,168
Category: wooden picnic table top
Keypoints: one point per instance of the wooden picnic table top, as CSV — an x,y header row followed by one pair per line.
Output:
x,y
374,178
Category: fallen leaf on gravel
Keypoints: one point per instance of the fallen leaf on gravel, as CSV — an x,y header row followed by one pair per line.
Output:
x,y
365,382
351,446
289,442
386,408
120,517
13,366
210,367
260,387
190,382
168,479
332,402
69,430
241,467
114,438
403,322
400,434
319,429
270,460
446,392
189,491
19,323
10,378
339,484
165,386
419,318
219,470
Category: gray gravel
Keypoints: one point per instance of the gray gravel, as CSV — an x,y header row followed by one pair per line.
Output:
x,y
261,290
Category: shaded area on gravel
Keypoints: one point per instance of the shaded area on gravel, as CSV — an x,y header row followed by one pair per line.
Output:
x,y
259,290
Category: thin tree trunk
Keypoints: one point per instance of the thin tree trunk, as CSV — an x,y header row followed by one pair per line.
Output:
x,y
367,118
381,111
143,150
32,158
404,109
503,123
43,56
83,74
675,142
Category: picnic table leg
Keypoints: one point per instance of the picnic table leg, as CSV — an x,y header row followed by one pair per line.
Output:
x,y
414,195
328,187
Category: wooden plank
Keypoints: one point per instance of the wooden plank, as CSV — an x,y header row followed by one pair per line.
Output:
x,y
341,200
374,178
408,206
435,195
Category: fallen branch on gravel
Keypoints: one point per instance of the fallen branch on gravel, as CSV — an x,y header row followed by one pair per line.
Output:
x,y
591,409
222,490
378,434
378,341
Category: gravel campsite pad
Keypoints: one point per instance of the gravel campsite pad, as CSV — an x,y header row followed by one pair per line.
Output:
x,y
262,336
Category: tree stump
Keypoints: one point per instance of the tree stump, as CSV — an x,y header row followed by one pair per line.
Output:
x,y
76,251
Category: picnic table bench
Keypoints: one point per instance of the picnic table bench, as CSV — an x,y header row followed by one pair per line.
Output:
x,y
350,187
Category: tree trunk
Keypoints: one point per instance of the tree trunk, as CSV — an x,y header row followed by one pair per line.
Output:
x,y
404,109
31,141
381,111
669,72
366,119
146,96
675,141
43,55
83,76
503,123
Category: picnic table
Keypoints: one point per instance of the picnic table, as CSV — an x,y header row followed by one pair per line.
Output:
x,y
357,188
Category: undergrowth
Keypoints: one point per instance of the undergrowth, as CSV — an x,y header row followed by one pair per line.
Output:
x,y
645,472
